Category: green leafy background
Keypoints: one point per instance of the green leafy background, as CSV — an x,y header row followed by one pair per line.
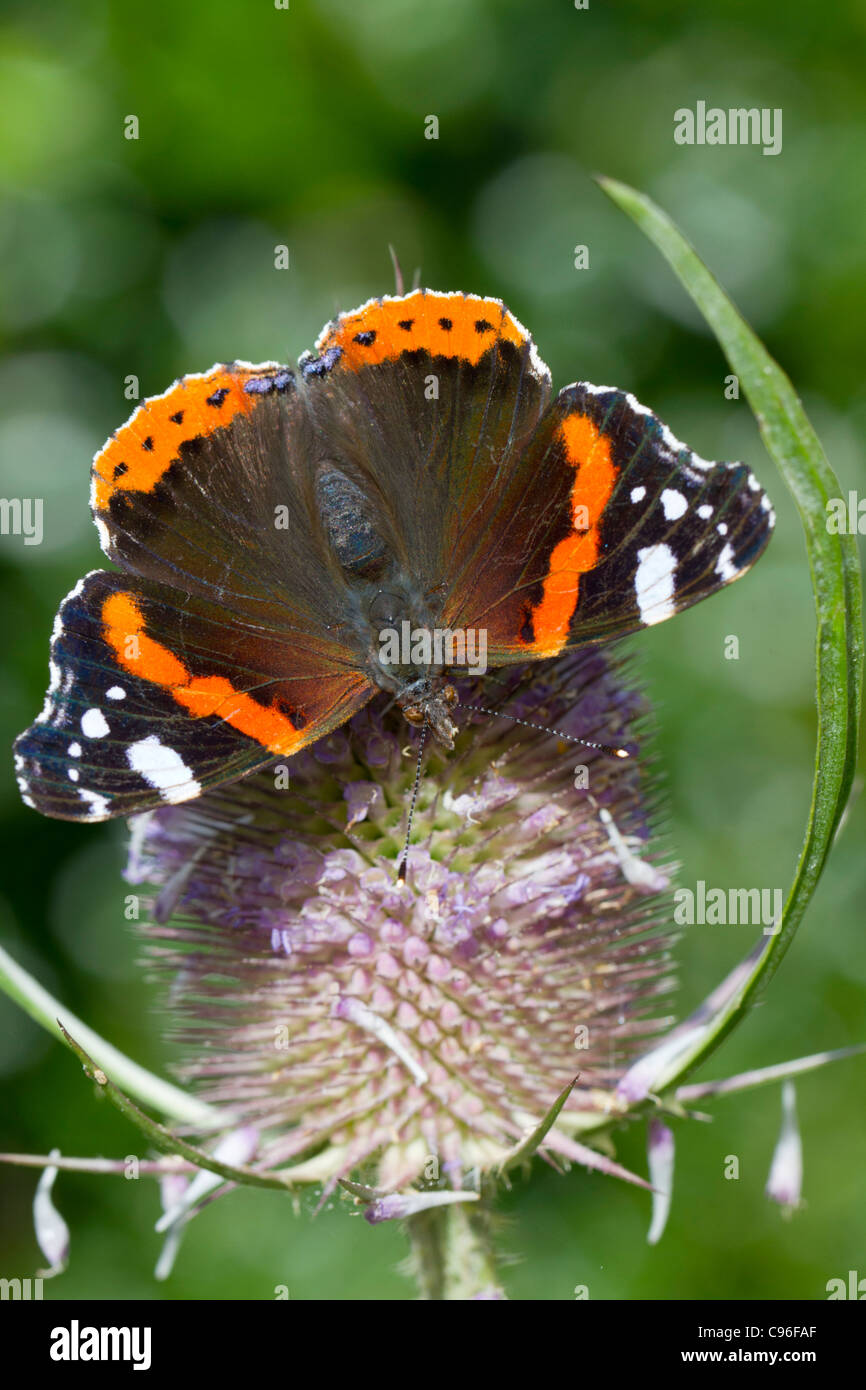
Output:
x,y
306,127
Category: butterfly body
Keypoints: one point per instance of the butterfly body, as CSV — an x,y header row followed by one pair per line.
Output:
x,y
411,503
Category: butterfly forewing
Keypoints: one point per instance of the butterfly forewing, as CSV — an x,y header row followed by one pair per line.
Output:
x,y
620,526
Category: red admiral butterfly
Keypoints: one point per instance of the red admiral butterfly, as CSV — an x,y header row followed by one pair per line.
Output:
x,y
413,476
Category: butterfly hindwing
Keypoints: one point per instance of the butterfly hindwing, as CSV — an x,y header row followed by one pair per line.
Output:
x,y
152,702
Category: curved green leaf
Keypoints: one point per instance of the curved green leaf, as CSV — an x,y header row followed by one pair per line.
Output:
x,y
792,443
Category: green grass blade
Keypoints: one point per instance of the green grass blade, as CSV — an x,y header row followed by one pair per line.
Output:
x,y
792,443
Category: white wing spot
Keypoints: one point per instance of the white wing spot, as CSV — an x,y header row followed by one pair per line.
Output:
x,y
73,774
638,494
705,511
74,750
674,504
726,566
98,804
93,724
654,583
116,692
722,528
162,768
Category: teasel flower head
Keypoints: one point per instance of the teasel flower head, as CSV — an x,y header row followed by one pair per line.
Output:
x,y
408,1036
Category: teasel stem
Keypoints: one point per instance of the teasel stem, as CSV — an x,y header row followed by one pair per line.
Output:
x,y
426,1262
470,1271
452,1254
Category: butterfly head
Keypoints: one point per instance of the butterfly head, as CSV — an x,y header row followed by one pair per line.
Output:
x,y
429,703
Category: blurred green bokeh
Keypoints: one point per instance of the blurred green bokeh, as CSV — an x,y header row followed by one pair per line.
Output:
x,y
152,257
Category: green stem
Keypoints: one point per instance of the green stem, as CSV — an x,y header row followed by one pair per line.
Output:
x,y
452,1254
152,1090
426,1256
470,1270
163,1139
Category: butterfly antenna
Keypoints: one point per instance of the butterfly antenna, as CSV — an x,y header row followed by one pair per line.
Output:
x,y
610,749
646,877
398,274
404,858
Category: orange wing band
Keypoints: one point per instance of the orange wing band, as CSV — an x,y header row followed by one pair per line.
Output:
x,y
123,629
588,452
